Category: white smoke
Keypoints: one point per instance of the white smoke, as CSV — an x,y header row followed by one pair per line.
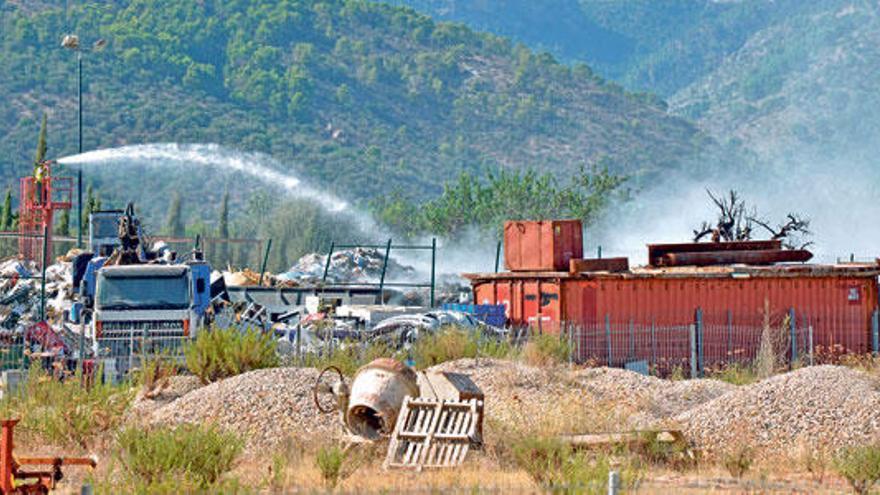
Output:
x,y
840,197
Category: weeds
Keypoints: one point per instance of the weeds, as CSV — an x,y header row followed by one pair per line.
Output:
x,y
220,353
187,454
735,373
738,459
67,413
546,350
349,356
155,375
330,461
814,461
860,466
558,468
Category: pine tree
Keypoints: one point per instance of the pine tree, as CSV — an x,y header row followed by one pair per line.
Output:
x,y
6,220
223,229
174,223
64,223
41,143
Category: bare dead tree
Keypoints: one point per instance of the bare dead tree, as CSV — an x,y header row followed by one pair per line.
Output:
x,y
736,222
792,232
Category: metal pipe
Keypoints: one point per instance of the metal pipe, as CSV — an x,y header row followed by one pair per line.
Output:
x,y
43,280
265,261
327,265
433,266
497,256
384,270
79,174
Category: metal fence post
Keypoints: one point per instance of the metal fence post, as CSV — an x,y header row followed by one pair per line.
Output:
x,y
729,332
810,331
875,331
698,337
613,483
608,336
792,325
692,338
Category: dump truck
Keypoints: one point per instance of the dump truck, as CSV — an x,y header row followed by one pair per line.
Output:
x,y
135,297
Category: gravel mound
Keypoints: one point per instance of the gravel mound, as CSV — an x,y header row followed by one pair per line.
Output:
x,y
620,399
821,406
144,406
653,398
265,407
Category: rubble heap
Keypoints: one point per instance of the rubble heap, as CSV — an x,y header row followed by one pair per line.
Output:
x,y
350,265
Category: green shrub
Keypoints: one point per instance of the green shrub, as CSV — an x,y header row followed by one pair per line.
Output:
x,y
330,461
860,466
66,413
546,350
446,345
220,353
186,453
559,468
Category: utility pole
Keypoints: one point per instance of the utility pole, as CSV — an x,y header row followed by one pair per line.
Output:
x,y
79,172
71,42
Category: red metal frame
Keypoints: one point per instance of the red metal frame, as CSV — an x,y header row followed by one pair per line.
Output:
x,y
12,478
37,205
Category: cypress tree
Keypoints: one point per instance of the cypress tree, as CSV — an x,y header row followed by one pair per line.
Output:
x,y
41,142
64,223
6,220
223,228
174,223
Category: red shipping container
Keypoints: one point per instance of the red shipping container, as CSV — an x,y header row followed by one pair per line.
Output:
x,y
837,303
547,245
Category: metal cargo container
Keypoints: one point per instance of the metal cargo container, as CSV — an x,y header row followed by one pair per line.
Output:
x,y
835,303
542,245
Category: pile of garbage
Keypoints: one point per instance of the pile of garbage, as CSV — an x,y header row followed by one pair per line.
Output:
x,y
347,266
20,289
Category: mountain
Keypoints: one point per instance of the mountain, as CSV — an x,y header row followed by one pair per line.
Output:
x,y
360,98
778,77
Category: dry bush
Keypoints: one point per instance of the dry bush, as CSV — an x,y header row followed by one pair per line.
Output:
x,y
738,456
815,460
774,345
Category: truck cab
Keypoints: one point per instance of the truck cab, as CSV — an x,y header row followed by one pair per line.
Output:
x,y
104,231
143,310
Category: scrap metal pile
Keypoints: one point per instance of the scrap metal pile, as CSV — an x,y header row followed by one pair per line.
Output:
x,y
347,266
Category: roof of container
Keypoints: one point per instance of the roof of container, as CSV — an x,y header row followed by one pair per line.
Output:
x,y
722,271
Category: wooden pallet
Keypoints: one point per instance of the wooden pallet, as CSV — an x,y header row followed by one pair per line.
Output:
x,y
433,433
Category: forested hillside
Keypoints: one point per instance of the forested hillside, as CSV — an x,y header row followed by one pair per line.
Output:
x,y
364,98
778,76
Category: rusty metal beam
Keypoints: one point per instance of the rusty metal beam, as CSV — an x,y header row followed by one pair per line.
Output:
x,y
760,257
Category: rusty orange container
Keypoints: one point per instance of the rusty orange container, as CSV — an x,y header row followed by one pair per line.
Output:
x,y
836,303
547,245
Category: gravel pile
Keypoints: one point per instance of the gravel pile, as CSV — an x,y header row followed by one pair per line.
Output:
x,y
650,398
144,405
265,407
619,398
820,406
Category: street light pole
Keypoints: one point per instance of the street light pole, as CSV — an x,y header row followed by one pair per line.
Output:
x,y
79,174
